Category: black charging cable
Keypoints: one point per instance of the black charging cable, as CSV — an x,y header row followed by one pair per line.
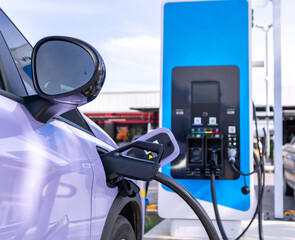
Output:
x,y
258,206
261,181
191,201
242,173
213,165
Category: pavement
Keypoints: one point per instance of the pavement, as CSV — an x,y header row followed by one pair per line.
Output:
x,y
273,229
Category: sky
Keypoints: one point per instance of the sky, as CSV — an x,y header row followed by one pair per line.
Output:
x,y
127,33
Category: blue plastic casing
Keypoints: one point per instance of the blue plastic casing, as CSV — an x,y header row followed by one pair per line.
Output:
x,y
210,33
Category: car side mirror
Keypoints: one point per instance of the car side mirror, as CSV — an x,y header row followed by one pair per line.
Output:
x,y
67,73
67,70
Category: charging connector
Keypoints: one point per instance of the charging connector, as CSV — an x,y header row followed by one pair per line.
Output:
x,y
213,163
232,153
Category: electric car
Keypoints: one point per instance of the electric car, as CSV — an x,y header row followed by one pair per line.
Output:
x,y
289,167
52,182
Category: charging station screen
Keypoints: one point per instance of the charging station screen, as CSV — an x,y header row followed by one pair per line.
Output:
x,y
204,92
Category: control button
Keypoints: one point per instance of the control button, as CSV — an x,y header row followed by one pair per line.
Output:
x,y
231,129
205,114
212,120
229,144
197,120
217,136
229,139
234,143
234,139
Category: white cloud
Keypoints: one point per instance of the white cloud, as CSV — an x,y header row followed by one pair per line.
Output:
x,y
133,63
48,7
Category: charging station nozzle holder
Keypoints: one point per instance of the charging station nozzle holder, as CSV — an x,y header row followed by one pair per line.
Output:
x,y
199,153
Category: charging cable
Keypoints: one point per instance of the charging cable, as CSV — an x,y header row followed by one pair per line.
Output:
x,y
191,201
213,166
232,153
260,177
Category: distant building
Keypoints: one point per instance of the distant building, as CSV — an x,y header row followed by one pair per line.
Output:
x,y
124,115
288,102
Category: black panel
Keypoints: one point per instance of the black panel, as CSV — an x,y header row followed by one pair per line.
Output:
x,y
75,117
205,103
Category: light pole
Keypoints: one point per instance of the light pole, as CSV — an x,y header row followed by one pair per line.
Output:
x,y
267,140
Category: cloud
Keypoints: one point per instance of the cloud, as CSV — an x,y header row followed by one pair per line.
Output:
x,y
132,63
48,7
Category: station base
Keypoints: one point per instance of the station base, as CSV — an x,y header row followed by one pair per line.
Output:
x,y
186,228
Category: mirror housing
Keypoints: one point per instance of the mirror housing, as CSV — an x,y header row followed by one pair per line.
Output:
x,y
67,73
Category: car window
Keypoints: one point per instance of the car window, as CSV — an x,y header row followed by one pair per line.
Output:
x,y
20,50
75,119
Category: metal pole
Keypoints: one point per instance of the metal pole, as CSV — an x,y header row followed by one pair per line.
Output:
x,y
266,89
278,118
267,140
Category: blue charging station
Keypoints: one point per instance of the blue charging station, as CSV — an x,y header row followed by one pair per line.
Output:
x,y
207,104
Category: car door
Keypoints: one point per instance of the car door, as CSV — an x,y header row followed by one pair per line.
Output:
x,y
94,140
45,174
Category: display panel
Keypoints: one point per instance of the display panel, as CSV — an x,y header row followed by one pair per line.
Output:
x,y
204,92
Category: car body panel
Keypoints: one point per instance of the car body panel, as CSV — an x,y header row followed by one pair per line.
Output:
x,y
102,196
289,163
44,177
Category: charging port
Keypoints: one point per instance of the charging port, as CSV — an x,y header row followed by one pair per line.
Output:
x,y
214,153
195,164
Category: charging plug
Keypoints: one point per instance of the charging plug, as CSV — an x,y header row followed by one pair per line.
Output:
x,y
213,160
232,153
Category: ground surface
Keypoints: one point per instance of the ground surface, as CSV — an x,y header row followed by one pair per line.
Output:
x,y
282,229
268,200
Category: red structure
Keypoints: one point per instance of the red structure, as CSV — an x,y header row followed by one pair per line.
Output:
x,y
123,127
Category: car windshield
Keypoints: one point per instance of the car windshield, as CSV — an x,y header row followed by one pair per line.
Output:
x,y
20,50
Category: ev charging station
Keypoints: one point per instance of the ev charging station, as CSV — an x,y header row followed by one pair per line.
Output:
x,y
207,104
